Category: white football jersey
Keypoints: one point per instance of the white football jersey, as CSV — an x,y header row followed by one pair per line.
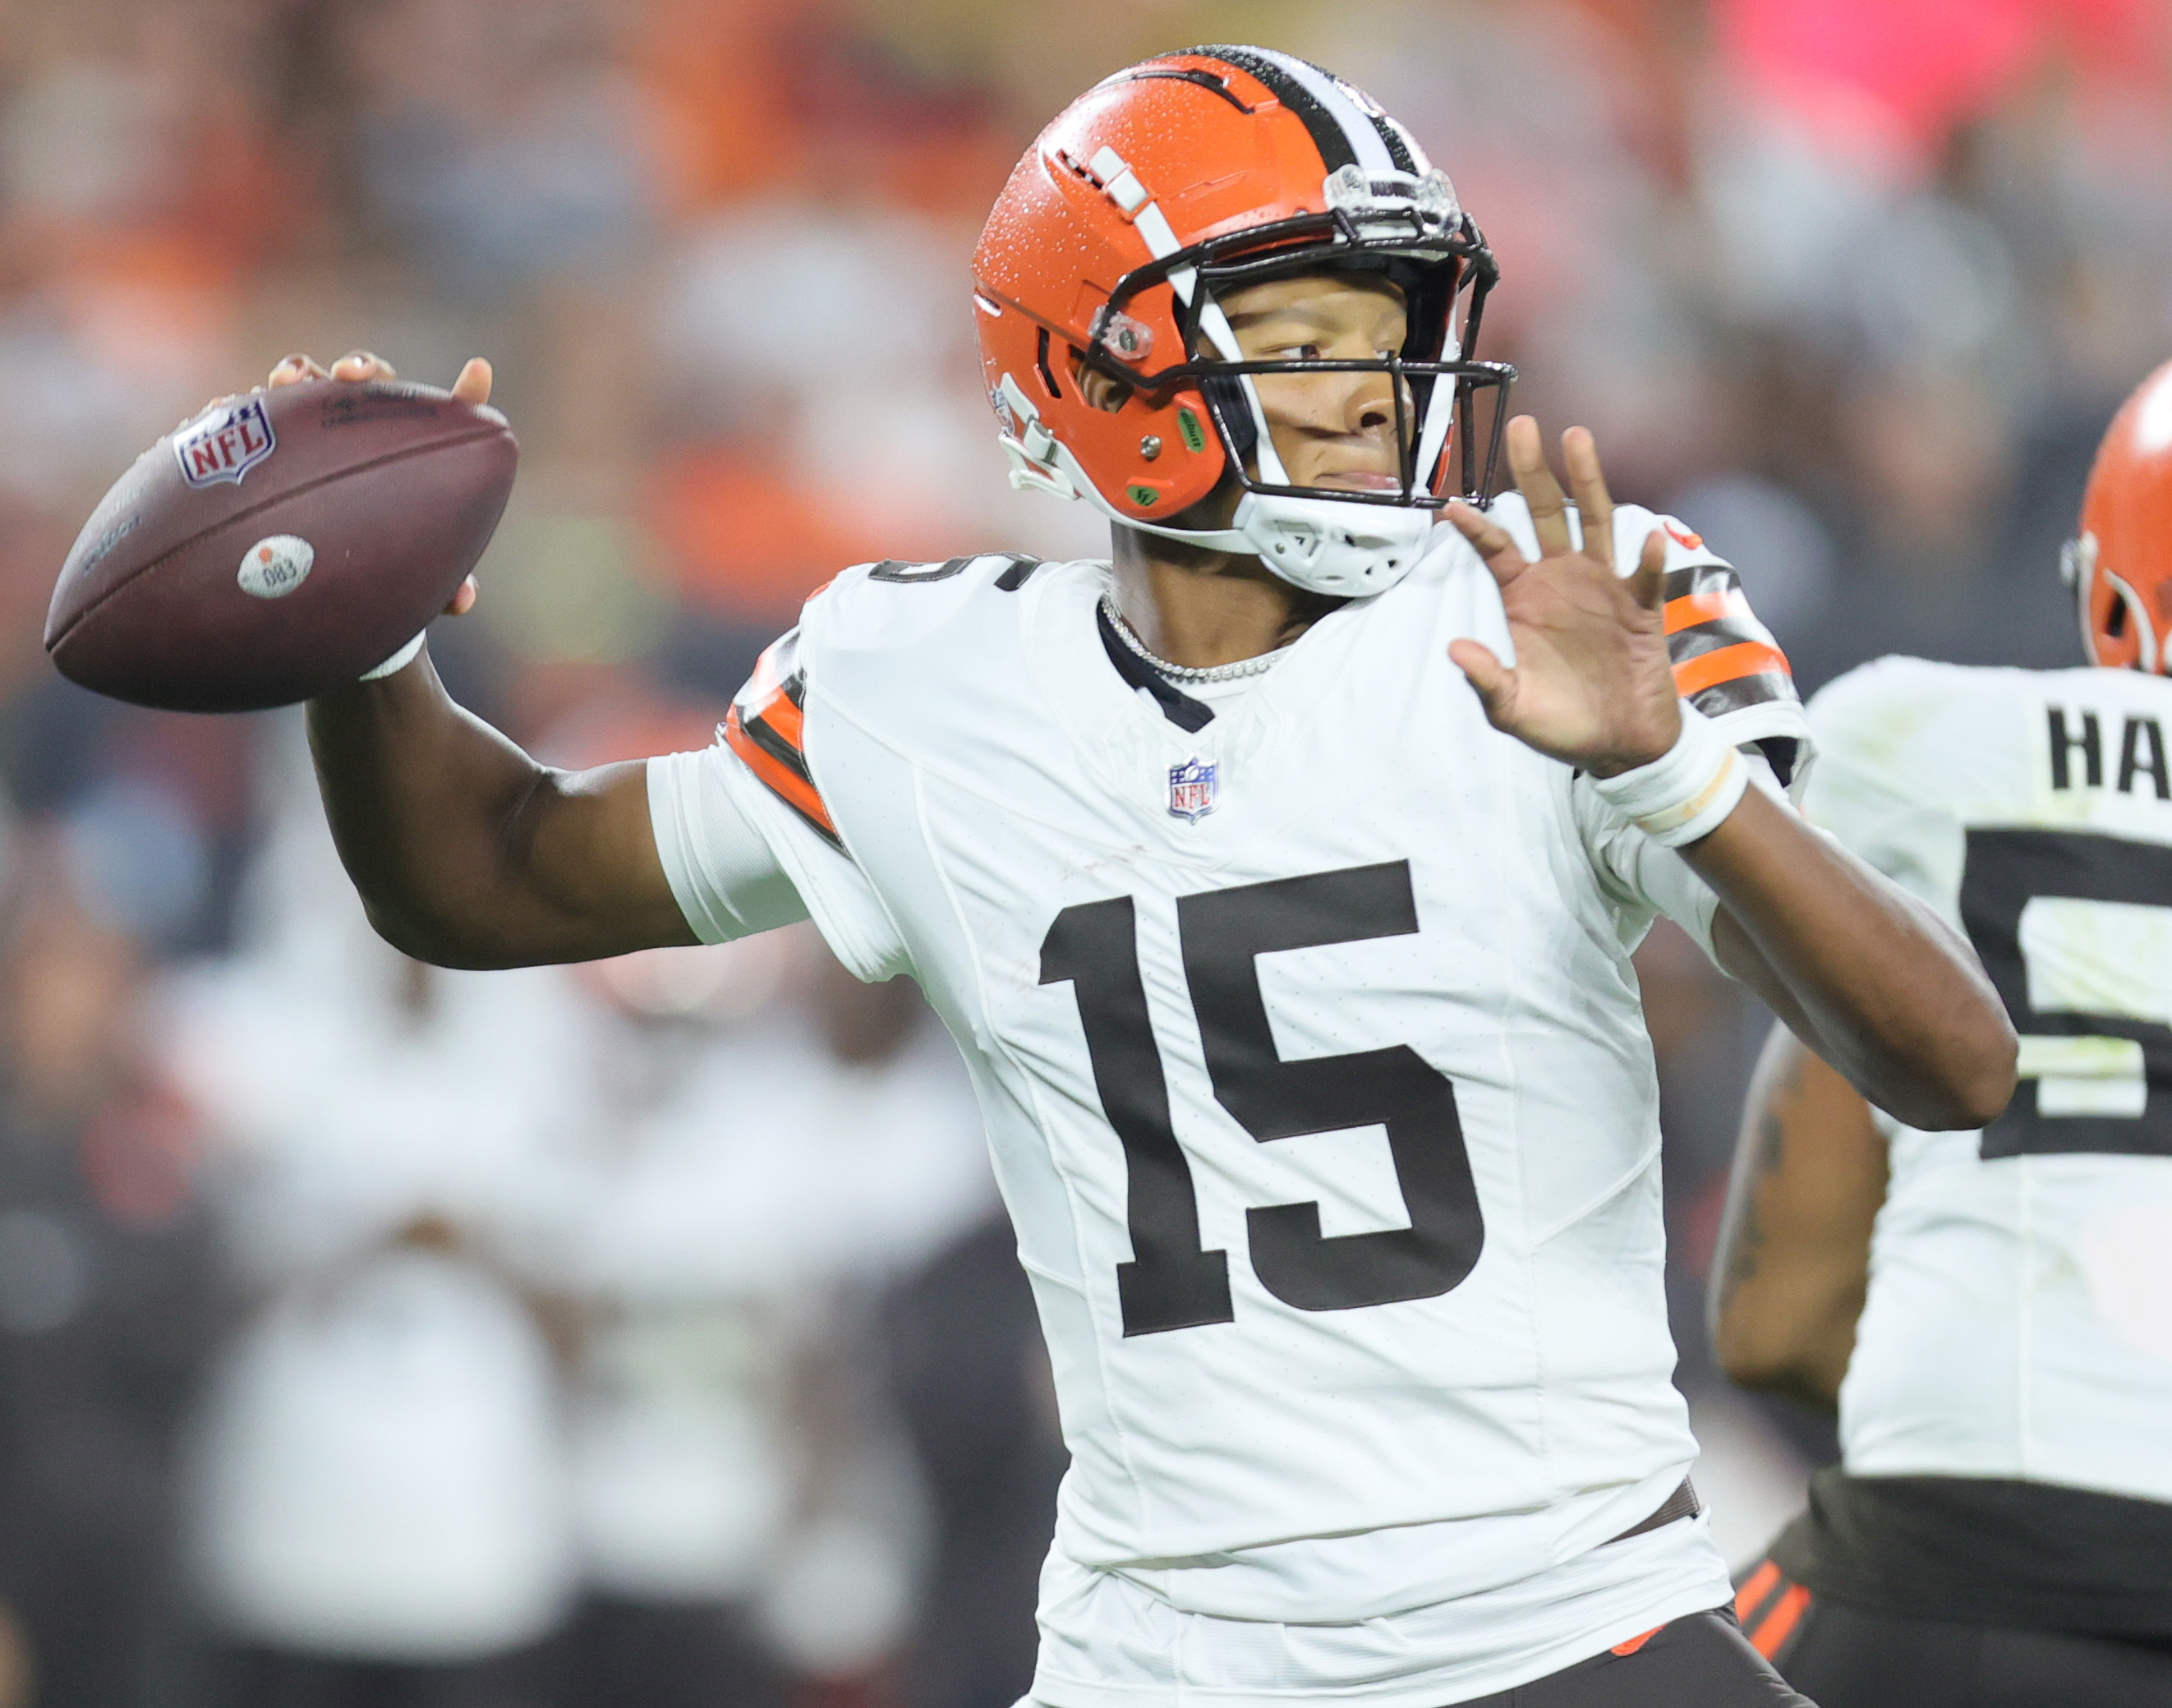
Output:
x,y
1317,1085
2019,1317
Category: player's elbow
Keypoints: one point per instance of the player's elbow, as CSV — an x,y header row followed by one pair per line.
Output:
x,y
1971,1078
1793,1379
1990,1085
1770,1358
436,940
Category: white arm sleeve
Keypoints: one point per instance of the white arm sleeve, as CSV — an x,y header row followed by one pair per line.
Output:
x,y
740,860
725,876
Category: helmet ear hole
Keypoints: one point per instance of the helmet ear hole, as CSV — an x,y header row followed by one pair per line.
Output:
x,y
2115,624
1097,389
1047,374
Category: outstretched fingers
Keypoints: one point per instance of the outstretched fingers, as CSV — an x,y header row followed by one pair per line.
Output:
x,y
1593,505
1493,543
1648,585
1542,492
357,366
473,386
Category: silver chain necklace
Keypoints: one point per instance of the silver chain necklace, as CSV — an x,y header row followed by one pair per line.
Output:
x,y
1188,673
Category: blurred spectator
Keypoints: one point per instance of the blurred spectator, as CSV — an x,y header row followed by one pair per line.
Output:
x,y
783,1140
969,1375
111,1287
377,1499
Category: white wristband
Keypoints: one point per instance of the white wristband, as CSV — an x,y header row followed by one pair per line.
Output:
x,y
399,661
1683,793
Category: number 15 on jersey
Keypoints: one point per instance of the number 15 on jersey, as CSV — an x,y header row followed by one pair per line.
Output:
x,y
1170,1281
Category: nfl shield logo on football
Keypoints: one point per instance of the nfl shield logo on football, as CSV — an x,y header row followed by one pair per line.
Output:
x,y
225,443
1191,790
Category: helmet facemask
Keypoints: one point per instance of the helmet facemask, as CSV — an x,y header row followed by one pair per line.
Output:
x,y
1403,228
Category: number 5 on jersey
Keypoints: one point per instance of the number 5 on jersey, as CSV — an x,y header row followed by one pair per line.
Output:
x,y
1171,1282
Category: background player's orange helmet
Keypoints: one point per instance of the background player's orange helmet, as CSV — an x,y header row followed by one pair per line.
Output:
x,y
2121,564
1158,191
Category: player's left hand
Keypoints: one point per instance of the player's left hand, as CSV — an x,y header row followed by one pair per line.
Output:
x,y
1592,685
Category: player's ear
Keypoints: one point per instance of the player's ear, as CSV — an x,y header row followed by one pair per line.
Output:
x,y
1100,390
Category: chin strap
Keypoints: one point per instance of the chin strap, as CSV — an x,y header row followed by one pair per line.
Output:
x,y
1327,546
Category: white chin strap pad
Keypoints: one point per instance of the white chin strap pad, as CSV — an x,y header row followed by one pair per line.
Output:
x,y
1328,547
1345,549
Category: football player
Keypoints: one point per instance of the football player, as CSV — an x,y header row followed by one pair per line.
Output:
x,y
1278,879
1998,1302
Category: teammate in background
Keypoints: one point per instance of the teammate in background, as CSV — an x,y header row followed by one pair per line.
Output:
x,y
1284,922
2000,1528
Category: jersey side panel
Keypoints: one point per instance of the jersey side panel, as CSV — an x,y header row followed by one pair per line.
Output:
x,y
882,654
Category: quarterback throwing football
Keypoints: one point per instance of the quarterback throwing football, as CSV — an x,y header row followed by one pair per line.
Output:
x,y
1278,879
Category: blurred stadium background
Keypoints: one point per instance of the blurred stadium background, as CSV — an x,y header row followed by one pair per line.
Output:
x,y
370,1335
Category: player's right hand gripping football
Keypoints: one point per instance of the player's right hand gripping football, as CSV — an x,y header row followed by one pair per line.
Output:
x,y
1592,685
358,365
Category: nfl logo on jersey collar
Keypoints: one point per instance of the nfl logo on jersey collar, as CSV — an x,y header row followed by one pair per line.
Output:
x,y
1192,788
224,443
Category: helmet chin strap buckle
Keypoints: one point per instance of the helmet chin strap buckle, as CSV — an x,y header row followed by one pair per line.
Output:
x,y
1032,450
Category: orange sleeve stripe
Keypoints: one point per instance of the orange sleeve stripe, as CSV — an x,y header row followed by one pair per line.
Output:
x,y
775,709
1774,1629
1726,664
1752,1596
794,791
1694,608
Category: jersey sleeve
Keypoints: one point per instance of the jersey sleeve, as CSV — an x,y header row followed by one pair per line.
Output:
x,y
1726,662
722,872
743,824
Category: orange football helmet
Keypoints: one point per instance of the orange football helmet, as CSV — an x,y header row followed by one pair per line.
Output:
x,y
1148,199
2120,565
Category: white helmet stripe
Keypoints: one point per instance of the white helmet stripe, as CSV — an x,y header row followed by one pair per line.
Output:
x,y
1364,139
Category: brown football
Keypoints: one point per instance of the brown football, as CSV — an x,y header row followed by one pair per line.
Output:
x,y
280,544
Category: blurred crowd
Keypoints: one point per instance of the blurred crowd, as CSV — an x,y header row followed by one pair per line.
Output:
x,y
372,1335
